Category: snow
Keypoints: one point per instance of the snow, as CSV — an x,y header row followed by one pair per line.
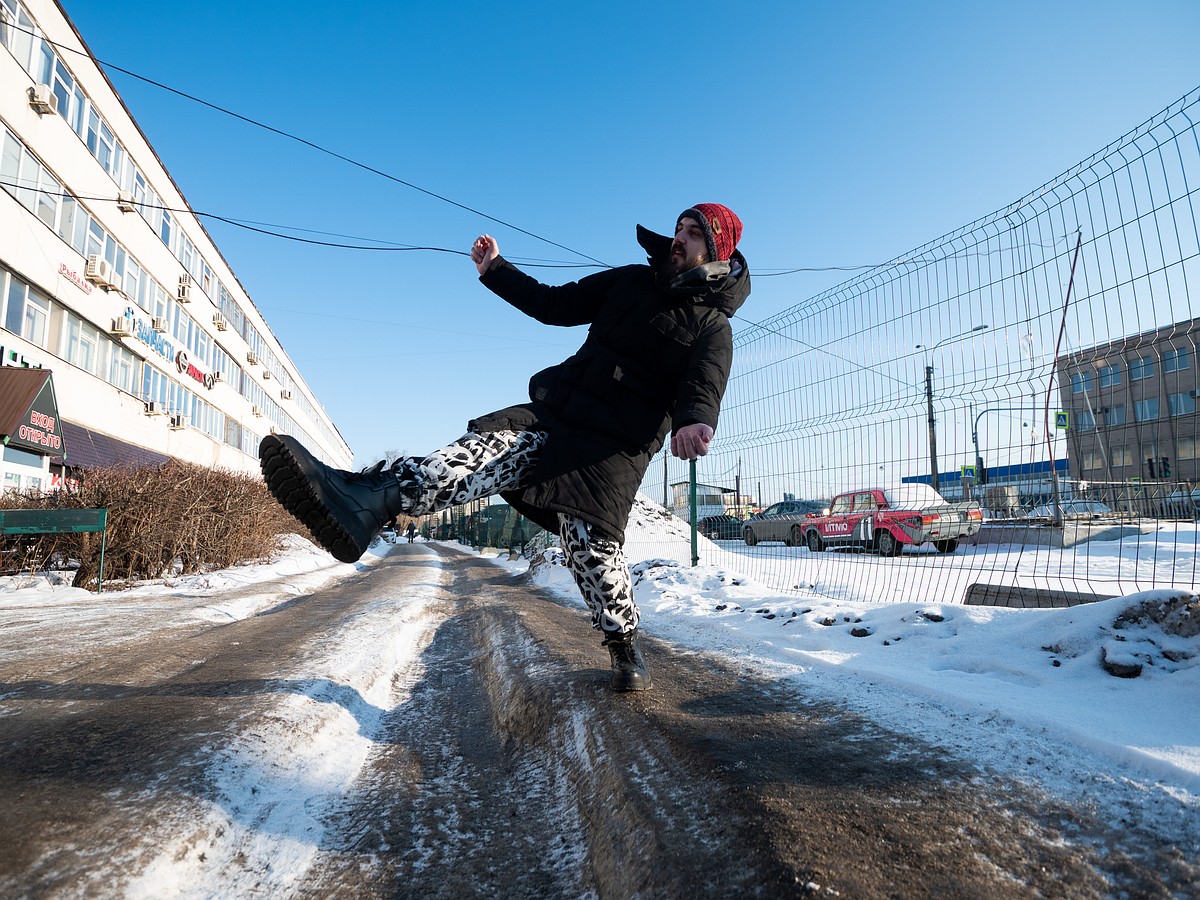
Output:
x,y
1019,692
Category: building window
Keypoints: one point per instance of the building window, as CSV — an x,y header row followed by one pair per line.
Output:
x,y
28,313
1185,448
1181,404
165,229
1145,410
1115,415
1177,359
1121,457
1081,383
1140,368
122,368
1109,375
83,344
1093,460
1084,420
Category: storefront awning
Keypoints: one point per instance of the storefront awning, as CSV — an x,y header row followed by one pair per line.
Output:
x,y
29,412
93,450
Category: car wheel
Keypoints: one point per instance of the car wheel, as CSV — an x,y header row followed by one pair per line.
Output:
x,y
948,546
750,537
815,544
795,537
887,544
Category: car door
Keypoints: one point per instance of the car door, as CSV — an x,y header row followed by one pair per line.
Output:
x,y
835,527
772,526
861,517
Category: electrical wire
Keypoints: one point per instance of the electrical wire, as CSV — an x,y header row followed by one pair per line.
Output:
x,y
307,143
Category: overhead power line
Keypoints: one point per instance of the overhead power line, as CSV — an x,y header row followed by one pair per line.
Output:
x,y
310,144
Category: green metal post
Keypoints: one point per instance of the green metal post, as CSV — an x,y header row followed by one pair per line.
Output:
x,y
692,512
103,541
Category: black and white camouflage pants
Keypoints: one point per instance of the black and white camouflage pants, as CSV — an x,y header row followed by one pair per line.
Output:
x,y
481,465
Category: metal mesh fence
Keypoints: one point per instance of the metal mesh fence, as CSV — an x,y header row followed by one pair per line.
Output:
x,y
1040,362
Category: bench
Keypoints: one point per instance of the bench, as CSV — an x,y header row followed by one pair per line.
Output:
x,y
58,521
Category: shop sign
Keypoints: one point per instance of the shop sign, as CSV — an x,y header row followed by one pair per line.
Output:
x,y
75,278
186,367
17,360
37,428
143,331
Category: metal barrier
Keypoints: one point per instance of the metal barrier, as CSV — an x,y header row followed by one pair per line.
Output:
x,y
58,521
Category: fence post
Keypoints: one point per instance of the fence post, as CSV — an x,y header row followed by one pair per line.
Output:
x,y
692,510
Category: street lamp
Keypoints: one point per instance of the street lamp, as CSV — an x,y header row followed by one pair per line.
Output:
x,y
933,466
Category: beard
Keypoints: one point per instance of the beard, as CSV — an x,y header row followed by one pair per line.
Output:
x,y
670,268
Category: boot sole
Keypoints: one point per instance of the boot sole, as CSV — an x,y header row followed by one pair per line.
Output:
x,y
288,481
630,688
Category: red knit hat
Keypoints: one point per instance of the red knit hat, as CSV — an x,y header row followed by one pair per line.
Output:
x,y
722,228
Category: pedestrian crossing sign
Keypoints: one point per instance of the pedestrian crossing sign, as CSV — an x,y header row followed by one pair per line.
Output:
x,y
1061,420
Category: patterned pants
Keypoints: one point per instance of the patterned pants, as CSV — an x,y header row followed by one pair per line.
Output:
x,y
481,465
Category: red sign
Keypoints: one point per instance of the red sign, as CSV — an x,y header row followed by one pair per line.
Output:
x,y
74,277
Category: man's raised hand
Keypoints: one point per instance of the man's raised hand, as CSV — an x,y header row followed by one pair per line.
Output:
x,y
483,251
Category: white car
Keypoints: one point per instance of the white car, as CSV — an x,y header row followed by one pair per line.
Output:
x,y
1074,509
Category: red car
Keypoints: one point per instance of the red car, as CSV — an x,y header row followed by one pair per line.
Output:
x,y
885,519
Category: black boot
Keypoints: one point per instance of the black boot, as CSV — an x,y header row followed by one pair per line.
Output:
x,y
629,667
343,510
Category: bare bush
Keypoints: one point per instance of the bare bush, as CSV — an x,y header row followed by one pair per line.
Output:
x,y
174,518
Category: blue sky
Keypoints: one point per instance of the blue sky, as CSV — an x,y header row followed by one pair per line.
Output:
x,y
843,134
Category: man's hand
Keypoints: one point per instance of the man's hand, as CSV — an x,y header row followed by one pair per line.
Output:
x,y
691,441
483,251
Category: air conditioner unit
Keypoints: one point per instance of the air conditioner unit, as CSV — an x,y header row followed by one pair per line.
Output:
x,y
42,99
121,328
266,374
159,323
184,292
99,272
258,412
285,395
252,357
154,408
125,202
220,321
177,423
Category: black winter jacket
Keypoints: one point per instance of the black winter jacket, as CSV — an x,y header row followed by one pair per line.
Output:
x,y
655,359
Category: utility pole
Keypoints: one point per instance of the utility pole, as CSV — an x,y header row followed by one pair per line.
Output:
x,y
933,469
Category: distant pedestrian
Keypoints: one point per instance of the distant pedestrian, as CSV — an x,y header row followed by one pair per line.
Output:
x,y
411,532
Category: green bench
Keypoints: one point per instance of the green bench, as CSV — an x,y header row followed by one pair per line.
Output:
x,y
58,521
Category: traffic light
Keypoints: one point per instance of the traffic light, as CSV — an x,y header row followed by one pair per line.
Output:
x,y
1164,467
980,470
1150,466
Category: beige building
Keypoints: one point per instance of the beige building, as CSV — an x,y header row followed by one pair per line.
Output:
x,y
112,284
1132,407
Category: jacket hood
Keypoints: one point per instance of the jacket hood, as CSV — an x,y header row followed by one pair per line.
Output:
x,y
724,285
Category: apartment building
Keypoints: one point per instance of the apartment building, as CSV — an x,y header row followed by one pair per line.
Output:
x,y
148,346
1132,407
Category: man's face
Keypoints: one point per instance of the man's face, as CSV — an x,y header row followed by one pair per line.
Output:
x,y
688,249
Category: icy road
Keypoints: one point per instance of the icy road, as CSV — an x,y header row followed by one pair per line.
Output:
x,y
432,726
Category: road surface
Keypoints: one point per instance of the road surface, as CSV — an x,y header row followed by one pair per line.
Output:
x,y
481,754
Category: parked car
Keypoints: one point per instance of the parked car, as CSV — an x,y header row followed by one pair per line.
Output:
x,y
778,521
886,519
720,528
1074,509
1182,504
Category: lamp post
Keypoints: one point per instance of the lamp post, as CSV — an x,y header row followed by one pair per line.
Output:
x,y
933,466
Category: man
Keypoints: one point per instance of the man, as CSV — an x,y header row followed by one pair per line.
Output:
x,y
656,359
